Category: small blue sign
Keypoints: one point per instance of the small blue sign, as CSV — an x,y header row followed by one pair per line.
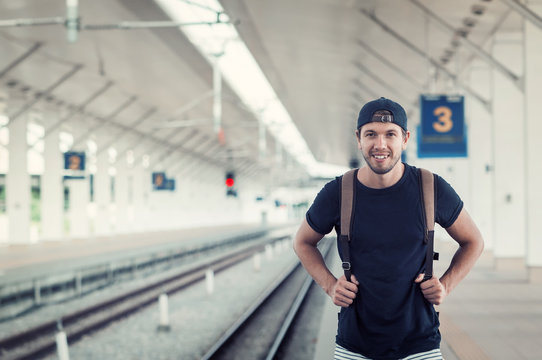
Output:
x,y
159,181
74,165
170,184
442,132
74,160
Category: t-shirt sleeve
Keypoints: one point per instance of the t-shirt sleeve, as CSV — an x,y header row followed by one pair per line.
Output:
x,y
449,204
323,214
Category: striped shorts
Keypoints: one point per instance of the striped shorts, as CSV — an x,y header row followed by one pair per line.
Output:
x,y
343,354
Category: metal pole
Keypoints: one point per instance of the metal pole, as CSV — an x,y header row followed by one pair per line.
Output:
x,y
217,96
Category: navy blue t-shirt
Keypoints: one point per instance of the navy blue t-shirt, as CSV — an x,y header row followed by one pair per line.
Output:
x,y
390,318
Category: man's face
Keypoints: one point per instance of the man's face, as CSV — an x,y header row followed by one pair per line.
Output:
x,y
381,145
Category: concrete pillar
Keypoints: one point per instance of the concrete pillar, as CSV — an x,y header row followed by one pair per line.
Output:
x,y
533,130
122,192
509,137
52,188
480,124
102,194
79,196
141,188
18,183
79,199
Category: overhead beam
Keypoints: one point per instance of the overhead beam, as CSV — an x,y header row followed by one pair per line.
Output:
x,y
388,63
424,55
43,94
473,47
525,12
20,59
78,109
123,133
379,80
170,150
105,121
32,22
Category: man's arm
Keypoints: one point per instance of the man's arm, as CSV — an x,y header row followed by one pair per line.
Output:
x,y
471,244
340,290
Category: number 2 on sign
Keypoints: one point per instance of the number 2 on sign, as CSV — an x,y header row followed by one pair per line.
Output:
x,y
444,123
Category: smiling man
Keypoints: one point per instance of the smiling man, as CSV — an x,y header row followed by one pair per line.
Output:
x,y
387,309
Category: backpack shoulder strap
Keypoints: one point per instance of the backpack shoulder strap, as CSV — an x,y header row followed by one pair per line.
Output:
x,y
428,196
347,210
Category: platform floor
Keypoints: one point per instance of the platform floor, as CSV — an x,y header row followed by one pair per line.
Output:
x,y
26,259
492,314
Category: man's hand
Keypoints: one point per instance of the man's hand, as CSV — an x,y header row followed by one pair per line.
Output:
x,y
433,290
344,292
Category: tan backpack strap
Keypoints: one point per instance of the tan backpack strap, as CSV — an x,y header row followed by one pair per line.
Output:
x,y
347,199
427,191
347,209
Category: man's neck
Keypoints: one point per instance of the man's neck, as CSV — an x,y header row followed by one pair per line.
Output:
x,y
380,181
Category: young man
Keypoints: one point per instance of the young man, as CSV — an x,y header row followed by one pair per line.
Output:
x,y
387,310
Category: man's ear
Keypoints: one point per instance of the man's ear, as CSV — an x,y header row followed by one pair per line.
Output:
x,y
358,139
405,140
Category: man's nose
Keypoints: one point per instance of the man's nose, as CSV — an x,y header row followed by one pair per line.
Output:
x,y
380,142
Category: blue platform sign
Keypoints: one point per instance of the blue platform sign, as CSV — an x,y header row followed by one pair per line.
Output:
x,y
159,181
74,165
442,132
170,184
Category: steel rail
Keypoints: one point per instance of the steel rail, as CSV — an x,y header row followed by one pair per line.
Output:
x,y
40,341
215,352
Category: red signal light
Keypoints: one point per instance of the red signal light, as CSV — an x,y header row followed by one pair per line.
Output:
x,y
229,182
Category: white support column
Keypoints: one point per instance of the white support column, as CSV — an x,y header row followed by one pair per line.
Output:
x,y
79,198
533,89
141,187
480,124
18,183
102,194
122,191
509,137
52,192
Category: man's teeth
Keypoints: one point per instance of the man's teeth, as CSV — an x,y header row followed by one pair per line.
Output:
x,y
380,157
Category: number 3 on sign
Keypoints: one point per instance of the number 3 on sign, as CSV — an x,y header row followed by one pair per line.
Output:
x,y
444,123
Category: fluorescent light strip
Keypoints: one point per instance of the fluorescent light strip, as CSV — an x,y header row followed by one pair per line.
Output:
x,y
240,70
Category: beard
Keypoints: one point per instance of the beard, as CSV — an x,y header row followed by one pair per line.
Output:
x,y
380,171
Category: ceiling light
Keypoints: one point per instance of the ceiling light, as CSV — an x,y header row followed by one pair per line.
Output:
x,y
463,32
469,22
478,9
239,69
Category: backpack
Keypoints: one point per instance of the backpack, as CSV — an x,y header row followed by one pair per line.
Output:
x,y
428,195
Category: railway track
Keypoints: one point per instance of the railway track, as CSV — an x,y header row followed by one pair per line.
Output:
x,y
39,341
260,331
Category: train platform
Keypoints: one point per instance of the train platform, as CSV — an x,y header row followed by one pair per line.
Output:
x,y
24,260
492,314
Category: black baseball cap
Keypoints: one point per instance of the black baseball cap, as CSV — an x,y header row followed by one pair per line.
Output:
x,y
367,113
